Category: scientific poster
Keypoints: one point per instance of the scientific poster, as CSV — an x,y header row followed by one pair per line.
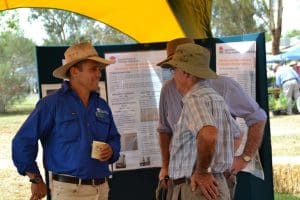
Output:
x,y
133,86
238,61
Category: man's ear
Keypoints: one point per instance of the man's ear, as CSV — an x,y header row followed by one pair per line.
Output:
x,y
73,71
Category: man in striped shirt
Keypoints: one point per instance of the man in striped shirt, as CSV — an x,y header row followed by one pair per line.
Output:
x,y
240,104
202,147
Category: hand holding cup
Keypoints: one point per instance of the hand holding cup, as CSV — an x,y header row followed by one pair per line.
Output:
x,y
101,151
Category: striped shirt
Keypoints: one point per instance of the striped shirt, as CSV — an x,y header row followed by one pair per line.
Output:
x,y
202,106
240,104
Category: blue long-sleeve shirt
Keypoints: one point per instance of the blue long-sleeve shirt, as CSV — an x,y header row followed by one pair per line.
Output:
x,y
66,130
286,73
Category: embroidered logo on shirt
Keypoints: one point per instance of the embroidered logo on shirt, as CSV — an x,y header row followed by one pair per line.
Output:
x,y
100,114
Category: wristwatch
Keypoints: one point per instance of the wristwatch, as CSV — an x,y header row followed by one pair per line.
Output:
x,y
204,171
36,179
246,158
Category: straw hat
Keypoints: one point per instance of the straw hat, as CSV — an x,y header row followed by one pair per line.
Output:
x,y
193,59
77,53
171,47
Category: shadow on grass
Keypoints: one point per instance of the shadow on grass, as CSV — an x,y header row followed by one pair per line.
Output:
x,y
21,107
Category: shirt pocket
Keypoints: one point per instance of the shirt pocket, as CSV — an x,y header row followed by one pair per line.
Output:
x,y
69,129
101,128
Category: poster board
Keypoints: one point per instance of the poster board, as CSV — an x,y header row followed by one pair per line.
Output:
x,y
237,60
143,180
134,84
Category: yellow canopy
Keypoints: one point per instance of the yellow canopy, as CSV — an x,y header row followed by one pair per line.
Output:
x,y
144,20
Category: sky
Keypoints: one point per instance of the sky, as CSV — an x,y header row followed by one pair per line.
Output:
x,y
291,11
30,30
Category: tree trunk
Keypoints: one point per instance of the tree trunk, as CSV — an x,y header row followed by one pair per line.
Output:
x,y
276,30
276,34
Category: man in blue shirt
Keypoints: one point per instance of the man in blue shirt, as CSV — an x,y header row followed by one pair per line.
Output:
x,y
67,122
239,103
288,79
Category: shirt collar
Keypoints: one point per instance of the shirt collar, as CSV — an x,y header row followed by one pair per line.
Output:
x,y
66,87
200,84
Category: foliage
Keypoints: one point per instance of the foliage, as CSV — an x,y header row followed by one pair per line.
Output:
x,y
268,37
9,21
271,81
244,14
292,33
277,104
248,16
15,53
66,28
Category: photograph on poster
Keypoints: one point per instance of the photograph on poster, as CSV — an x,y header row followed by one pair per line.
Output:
x,y
129,142
121,163
145,161
149,114
49,88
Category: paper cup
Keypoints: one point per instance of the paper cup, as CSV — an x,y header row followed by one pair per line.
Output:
x,y
97,147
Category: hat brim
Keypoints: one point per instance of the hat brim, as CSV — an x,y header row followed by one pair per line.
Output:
x,y
164,61
61,72
205,73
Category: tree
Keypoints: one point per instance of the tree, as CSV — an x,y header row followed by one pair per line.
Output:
x,y
66,28
15,53
275,25
232,17
9,21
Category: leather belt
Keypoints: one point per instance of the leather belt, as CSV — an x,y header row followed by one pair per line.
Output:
x,y
182,180
288,80
75,180
179,181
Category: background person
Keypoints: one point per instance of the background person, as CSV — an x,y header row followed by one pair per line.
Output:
x,y
288,79
66,123
203,139
239,103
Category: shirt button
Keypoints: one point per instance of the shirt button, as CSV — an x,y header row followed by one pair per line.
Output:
x,y
88,124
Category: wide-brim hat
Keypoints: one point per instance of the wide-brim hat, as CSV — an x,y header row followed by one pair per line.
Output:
x,y
193,59
292,63
77,53
171,47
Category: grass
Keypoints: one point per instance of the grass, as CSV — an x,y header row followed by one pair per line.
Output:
x,y
23,107
286,145
13,186
17,187
279,196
